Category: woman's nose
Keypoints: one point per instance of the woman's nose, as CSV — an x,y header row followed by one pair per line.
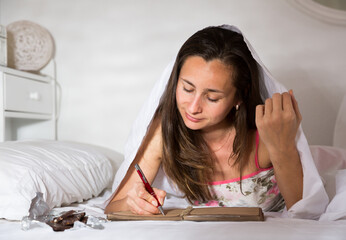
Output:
x,y
195,105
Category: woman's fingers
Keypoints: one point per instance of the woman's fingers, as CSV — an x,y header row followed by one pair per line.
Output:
x,y
259,114
160,194
136,206
140,201
277,121
268,106
295,105
277,102
142,193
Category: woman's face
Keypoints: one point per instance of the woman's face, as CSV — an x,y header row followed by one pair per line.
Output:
x,y
205,93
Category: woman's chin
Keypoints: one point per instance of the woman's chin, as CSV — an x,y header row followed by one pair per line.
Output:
x,y
192,125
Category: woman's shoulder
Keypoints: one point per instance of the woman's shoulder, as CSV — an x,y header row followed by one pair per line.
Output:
x,y
152,142
155,127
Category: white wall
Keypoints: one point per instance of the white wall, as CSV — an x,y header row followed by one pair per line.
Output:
x,y
109,53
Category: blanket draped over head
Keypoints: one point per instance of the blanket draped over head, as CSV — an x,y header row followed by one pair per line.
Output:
x,y
315,198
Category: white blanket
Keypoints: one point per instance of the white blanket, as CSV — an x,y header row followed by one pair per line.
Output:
x,y
331,164
315,198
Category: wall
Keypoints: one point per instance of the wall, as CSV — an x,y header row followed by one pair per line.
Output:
x,y
109,53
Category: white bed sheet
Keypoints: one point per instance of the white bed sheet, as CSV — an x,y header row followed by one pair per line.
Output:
x,y
272,228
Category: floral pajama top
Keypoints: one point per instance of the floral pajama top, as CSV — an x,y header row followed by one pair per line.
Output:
x,y
258,189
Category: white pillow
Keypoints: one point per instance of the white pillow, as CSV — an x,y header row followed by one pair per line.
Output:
x,y
65,172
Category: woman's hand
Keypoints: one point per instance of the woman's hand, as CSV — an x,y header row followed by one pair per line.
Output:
x,y
277,122
141,202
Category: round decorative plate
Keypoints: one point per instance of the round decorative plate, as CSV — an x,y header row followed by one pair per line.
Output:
x,y
30,46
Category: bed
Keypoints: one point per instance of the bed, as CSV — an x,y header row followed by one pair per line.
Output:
x,y
107,162
79,176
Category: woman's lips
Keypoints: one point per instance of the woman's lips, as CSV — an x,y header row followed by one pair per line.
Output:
x,y
192,119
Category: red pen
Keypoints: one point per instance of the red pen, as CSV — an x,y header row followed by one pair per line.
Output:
x,y
148,187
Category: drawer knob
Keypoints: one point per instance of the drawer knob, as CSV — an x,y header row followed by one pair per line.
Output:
x,y
34,96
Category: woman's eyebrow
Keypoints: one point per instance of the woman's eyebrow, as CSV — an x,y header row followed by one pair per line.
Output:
x,y
188,82
207,90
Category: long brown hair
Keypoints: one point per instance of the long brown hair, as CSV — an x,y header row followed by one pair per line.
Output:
x,y
186,156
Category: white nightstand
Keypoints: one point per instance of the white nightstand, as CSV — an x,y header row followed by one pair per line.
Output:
x,y
27,106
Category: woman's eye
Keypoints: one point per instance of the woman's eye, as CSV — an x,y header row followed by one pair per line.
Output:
x,y
213,100
187,90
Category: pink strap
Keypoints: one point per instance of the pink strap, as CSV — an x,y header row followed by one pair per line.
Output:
x,y
256,154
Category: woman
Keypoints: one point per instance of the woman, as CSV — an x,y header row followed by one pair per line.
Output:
x,y
216,140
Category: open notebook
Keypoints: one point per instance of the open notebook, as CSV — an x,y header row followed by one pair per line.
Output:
x,y
195,214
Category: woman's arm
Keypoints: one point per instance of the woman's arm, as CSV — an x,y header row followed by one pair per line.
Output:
x,y
277,123
131,194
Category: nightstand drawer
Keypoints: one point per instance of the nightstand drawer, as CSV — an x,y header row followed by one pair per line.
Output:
x,y
25,95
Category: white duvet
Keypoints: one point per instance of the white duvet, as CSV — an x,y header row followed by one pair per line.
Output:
x,y
331,163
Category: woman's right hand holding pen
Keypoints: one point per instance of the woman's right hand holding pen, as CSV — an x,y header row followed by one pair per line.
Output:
x,y
142,202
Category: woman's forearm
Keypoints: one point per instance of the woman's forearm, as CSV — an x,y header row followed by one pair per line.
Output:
x,y
289,175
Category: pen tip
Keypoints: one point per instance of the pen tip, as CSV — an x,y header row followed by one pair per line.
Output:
x,y
161,210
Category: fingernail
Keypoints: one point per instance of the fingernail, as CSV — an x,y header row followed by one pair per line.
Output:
x,y
154,203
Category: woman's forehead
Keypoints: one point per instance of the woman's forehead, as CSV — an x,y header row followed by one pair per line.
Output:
x,y
213,73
